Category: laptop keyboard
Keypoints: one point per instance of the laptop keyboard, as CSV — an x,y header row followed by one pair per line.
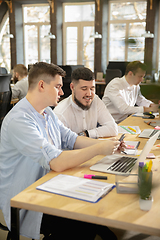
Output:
x,y
154,132
124,165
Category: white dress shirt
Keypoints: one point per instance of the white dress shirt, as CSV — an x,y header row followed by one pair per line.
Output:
x,y
20,89
120,99
79,120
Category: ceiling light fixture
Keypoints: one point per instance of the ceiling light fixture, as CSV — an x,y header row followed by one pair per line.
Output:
x,y
96,35
8,35
148,35
50,35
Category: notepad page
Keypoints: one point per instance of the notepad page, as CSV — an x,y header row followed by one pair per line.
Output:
x,y
125,129
76,187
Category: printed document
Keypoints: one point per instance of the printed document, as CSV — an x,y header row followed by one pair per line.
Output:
x,y
76,187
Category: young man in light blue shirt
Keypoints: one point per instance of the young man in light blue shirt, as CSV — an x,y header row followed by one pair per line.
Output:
x,y
32,139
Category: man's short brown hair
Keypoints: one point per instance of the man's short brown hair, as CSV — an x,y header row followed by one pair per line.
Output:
x,y
134,66
43,71
82,73
21,70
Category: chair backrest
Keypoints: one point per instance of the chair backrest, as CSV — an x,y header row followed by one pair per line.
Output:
x,y
5,96
118,65
112,73
67,80
3,70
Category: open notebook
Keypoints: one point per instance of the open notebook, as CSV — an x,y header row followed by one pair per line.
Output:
x,y
118,164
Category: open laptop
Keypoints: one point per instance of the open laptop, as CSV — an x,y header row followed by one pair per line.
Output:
x,y
121,165
147,133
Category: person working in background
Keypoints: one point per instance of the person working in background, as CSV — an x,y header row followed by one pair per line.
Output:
x,y
32,139
83,111
122,96
20,89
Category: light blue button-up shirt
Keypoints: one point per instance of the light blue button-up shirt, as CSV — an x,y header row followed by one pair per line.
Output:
x,y
25,153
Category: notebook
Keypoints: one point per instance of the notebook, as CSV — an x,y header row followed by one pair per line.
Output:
x,y
123,165
77,187
147,133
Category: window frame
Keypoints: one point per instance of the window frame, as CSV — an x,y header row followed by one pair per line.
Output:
x,y
2,26
79,26
38,25
127,22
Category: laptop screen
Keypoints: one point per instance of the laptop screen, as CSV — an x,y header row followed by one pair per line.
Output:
x,y
118,164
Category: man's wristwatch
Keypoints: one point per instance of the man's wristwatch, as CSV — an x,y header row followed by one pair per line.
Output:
x,y
85,133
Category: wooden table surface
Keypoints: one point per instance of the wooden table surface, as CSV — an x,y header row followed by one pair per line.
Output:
x,y
14,101
114,210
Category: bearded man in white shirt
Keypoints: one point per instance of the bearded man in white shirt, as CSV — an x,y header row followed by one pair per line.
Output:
x,y
83,111
122,96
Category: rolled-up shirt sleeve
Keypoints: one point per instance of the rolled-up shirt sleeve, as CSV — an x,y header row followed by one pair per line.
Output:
x,y
29,141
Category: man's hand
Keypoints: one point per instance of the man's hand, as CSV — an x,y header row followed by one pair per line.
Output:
x,y
121,147
109,146
152,108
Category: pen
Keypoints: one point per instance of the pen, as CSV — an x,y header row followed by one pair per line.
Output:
x,y
122,137
95,177
138,144
132,129
124,152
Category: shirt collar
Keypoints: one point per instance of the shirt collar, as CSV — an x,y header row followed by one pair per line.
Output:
x,y
127,85
34,110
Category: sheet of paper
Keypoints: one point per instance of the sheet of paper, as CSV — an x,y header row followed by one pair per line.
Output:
x,y
126,129
76,187
132,144
131,147
131,151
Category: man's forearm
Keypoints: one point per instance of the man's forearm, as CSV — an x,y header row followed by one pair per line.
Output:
x,y
83,142
90,148
72,158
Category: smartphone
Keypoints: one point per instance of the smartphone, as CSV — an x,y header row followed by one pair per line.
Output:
x,y
122,137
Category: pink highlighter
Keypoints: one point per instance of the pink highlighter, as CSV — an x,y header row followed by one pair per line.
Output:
x,y
95,177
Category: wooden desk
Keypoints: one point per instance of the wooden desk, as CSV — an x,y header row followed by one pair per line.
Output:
x,y
114,210
14,101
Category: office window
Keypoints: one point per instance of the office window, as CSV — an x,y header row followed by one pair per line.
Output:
x,y
36,20
78,30
126,25
5,57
